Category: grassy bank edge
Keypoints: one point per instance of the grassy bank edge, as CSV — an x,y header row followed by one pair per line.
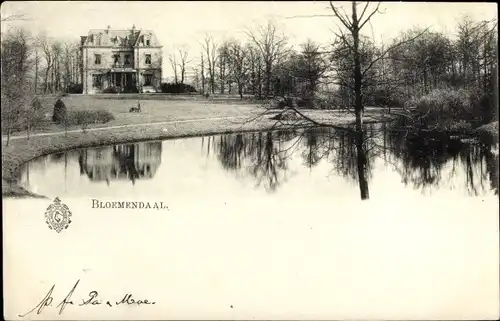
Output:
x,y
12,160
23,151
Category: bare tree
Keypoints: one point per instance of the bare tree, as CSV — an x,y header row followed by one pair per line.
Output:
x,y
202,71
68,72
255,70
354,25
173,63
210,48
45,46
183,56
272,46
196,81
238,64
223,58
37,63
57,51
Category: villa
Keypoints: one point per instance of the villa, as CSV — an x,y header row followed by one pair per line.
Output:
x,y
120,60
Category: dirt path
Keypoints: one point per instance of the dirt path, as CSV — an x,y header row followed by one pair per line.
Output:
x,y
124,126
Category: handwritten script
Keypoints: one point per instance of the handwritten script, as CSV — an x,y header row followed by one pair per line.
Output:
x,y
93,299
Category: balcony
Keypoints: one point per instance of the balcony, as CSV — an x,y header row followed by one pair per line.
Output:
x,y
122,65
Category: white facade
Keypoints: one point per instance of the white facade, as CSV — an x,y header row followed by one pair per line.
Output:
x,y
120,61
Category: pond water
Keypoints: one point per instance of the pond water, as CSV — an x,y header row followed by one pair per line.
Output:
x,y
314,162
304,224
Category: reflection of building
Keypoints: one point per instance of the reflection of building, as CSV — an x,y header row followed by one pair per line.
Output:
x,y
127,60
97,163
128,161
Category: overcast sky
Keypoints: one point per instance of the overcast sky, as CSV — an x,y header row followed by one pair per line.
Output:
x,y
185,23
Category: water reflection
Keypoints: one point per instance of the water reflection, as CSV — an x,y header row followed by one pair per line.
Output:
x,y
127,161
104,164
271,159
420,161
261,155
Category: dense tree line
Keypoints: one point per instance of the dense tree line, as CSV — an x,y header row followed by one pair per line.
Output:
x,y
53,66
417,62
32,66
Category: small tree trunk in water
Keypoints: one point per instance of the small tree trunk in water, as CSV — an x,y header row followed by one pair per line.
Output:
x,y
362,164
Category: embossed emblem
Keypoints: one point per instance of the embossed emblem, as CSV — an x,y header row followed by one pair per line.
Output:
x,y
58,216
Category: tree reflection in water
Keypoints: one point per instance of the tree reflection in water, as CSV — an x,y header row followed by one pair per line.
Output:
x,y
419,161
261,154
425,159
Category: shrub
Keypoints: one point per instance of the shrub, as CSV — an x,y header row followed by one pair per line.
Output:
x,y
307,102
177,88
442,106
131,90
36,104
84,117
324,103
483,107
279,103
381,97
452,109
295,102
110,90
75,88
60,111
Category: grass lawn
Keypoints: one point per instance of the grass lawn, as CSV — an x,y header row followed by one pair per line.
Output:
x,y
165,107
155,108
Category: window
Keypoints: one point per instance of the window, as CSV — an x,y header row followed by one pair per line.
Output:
x,y
148,42
148,59
97,59
148,79
116,59
127,59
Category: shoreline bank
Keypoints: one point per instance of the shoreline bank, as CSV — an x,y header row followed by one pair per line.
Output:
x,y
21,151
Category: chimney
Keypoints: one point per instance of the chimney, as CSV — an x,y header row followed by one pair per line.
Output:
x,y
133,29
107,30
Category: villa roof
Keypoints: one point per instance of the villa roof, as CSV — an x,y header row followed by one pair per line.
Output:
x,y
118,37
